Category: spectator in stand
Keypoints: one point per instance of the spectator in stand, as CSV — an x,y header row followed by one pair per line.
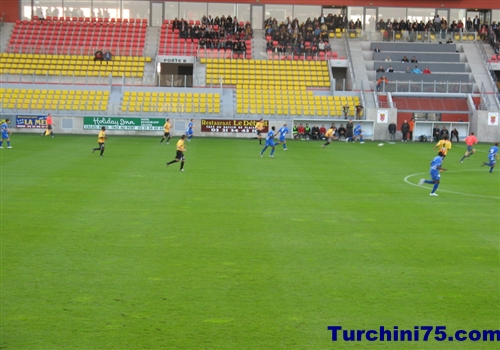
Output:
x,y
107,56
449,41
426,71
99,56
476,23
405,60
322,131
390,69
483,33
454,134
414,60
388,59
416,70
408,70
359,111
377,49
380,70
382,82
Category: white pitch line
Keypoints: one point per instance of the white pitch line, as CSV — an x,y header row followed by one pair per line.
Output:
x,y
440,190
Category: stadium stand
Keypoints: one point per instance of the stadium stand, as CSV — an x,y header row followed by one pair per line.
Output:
x,y
172,42
54,99
69,65
170,102
299,101
253,73
78,36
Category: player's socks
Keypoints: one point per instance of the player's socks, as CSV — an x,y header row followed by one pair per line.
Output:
x,y
1,142
428,181
8,143
461,160
284,146
263,150
182,165
435,188
272,151
162,141
491,169
360,139
171,162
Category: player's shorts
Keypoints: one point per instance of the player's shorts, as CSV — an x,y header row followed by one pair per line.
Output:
x,y
492,160
259,132
101,145
179,155
469,149
435,175
282,139
49,126
356,134
189,132
5,135
270,143
167,134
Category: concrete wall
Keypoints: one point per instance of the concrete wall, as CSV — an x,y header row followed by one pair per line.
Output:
x,y
421,57
434,67
428,78
412,48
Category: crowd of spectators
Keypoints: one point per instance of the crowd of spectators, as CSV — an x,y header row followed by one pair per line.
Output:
x,y
216,33
309,37
438,25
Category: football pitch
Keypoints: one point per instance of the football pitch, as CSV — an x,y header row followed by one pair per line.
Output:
x,y
239,251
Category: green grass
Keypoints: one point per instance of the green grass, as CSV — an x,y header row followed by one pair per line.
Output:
x,y
241,252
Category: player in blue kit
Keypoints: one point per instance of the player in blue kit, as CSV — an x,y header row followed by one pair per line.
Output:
x,y
282,136
436,168
189,130
269,142
5,133
492,157
358,132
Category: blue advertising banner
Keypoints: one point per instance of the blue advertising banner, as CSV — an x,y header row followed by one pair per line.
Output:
x,y
30,121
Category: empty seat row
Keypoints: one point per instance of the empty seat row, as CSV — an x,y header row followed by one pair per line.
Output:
x,y
54,99
68,65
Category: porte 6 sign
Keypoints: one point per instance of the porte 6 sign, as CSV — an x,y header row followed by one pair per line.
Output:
x,y
231,126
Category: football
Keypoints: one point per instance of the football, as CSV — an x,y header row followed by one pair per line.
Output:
x,y
380,144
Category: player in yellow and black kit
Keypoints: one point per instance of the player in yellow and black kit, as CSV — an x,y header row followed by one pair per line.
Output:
x,y
179,156
259,126
101,138
330,136
443,145
166,128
